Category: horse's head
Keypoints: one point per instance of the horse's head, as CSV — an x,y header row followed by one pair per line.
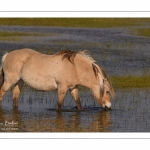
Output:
x,y
106,89
105,100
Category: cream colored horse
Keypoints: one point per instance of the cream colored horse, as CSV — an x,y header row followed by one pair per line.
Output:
x,y
63,71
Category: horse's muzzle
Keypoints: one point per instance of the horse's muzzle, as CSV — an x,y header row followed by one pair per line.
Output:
x,y
106,108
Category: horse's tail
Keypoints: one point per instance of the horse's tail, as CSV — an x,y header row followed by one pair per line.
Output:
x,y
1,70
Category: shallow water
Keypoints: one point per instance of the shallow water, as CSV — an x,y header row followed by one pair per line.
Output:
x,y
37,113
115,49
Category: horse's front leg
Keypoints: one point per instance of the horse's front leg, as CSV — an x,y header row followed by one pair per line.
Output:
x,y
74,92
61,94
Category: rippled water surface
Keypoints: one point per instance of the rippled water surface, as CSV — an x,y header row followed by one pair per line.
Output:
x,y
115,49
36,112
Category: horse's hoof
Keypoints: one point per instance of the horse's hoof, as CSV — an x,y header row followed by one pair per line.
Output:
x,y
58,109
79,108
75,107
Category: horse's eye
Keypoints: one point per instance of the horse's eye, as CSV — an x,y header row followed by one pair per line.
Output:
x,y
107,92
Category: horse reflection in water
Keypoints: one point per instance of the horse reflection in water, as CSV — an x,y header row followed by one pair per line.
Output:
x,y
53,121
62,71
70,122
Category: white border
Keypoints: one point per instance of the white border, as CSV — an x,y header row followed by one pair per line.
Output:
x,y
77,8
76,5
74,14
84,135
67,144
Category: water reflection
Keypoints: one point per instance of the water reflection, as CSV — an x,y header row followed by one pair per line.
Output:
x,y
70,122
10,121
37,113
102,122
53,121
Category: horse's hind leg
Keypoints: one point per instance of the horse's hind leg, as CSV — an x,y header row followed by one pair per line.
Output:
x,y
5,87
75,94
16,91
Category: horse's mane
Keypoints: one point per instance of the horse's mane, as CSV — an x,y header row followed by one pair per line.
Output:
x,y
68,54
98,71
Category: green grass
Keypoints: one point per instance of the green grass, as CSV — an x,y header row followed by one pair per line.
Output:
x,y
14,36
5,34
76,22
143,32
19,36
126,82
131,81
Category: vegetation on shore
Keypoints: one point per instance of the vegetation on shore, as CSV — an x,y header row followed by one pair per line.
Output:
x,y
130,81
6,34
126,82
143,32
81,23
76,22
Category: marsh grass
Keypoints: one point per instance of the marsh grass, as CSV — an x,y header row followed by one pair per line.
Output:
x,y
16,36
22,36
125,82
5,34
130,81
76,22
143,32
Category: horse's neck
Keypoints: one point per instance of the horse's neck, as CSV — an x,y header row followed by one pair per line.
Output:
x,y
88,84
85,72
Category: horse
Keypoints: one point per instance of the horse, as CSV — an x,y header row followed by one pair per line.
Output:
x,y
62,71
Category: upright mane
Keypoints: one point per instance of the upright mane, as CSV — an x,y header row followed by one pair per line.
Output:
x,y
68,54
98,71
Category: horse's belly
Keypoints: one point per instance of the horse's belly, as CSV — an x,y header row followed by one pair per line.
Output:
x,y
43,83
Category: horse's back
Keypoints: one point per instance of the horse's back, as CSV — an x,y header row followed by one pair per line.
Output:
x,y
33,69
18,56
40,71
